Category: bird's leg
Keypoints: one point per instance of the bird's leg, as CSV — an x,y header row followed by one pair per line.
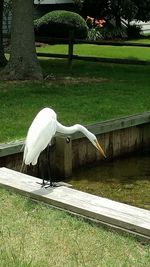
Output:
x,y
42,169
48,168
45,169
50,175
42,175
49,171
43,181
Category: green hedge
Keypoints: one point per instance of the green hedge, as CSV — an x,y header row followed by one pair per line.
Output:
x,y
59,23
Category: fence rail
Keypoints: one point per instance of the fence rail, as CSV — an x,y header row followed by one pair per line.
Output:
x,y
52,40
71,41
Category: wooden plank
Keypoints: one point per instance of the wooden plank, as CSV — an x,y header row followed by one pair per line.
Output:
x,y
111,43
97,128
47,39
63,156
70,47
40,54
116,124
115,214
14,147
97,59
11,148
57,40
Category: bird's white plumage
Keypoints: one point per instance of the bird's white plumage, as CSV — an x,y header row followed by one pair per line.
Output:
x,y
39,135
41,131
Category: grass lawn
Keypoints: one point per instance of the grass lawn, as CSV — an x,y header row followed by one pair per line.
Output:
x,y
87,93
139,53
33,235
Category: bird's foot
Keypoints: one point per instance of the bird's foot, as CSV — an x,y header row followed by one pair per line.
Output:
x,y
48,184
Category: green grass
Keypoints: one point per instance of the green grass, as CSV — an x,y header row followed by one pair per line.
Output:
x,y
141,41
32,235
87,93
102,51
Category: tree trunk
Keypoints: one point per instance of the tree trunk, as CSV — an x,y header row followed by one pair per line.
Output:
x,y
116,8
118,20
3,60
23,63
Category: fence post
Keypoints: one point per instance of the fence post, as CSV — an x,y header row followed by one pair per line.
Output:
x,y
63,157
70,47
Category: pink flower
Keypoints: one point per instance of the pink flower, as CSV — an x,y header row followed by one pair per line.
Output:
x,y
89,18
95,22
100,22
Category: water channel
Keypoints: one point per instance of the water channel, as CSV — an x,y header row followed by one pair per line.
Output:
x,y
125,180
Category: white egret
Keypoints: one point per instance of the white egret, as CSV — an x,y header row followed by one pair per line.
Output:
x,y
43,128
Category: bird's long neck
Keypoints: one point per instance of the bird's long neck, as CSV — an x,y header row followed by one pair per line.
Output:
x,y
72,129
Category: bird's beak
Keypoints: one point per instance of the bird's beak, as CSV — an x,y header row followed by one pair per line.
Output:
x,y
100,149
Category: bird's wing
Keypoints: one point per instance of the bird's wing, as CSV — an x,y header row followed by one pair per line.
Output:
x,y
39,135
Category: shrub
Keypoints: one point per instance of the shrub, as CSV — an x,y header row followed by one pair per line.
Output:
x,y
111,32
94,28
134,31
94,34
59,23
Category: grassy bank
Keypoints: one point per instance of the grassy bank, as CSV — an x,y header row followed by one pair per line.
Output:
x,y
33,235
87,93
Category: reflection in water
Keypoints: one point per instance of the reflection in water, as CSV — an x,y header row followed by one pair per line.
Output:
x,y
126,180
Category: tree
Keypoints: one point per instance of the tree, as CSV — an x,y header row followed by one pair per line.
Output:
x,y
93,8
23,63
143,10
116,9
129,10
3,60
7,14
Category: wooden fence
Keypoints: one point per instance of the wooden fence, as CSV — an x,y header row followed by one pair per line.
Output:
x,y
71,41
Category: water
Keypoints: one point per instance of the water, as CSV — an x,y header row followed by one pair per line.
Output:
x,y
125,180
